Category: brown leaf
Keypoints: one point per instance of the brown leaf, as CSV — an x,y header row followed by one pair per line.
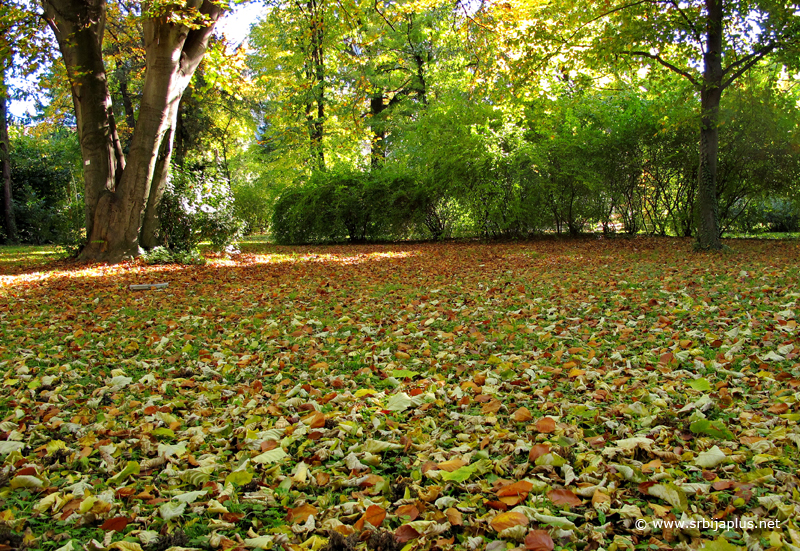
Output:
x,y
564,497
720,485
405,533
522,415
653,465
546,425
508,520
268,445
116,524
600,498
539,540
451,465
492,406
316,420
779,408
322,478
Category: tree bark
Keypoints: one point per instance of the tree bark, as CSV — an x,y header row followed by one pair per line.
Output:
x,y
5,161
78,26
117,193
706,208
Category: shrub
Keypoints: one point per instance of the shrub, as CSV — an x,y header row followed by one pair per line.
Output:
x,y
197,206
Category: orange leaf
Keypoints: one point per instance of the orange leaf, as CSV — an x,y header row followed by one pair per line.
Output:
x,y
517,488
316,420
511,501
522,415
564,497
322,479
374,515
537,451
300,514
546,425
539,540
780,409
116,524
508,520
268,445
409,511
492,406
599,498
454,516
451,465
575,372
653,465
405,533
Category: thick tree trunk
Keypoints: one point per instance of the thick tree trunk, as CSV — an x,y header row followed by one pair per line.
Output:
x,y
79,27
117,195
5,161
706,207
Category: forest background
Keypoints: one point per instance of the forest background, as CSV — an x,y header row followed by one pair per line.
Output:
x,y
337,121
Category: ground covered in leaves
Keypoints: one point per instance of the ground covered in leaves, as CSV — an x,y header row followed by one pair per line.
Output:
x,y
545,395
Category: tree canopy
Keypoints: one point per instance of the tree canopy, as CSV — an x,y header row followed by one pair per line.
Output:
x,y
434,119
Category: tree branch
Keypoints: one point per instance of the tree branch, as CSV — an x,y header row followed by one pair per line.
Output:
x,y
665,63
746,63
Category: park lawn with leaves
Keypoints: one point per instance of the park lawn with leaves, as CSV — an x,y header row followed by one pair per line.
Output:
x,y
541,395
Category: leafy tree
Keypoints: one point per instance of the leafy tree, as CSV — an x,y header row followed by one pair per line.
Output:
x,y
20,54
710,43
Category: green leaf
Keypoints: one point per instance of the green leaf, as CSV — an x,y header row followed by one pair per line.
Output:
x,y
715,429
404,374
171,510
700,384
239,478
272,456
461,474
131,468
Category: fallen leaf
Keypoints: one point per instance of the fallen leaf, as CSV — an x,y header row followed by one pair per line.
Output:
x,y
508,520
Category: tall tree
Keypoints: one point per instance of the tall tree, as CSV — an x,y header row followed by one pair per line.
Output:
x,y
122,191
19,41
710,43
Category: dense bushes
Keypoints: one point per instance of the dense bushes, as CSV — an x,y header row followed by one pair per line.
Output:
x,y
349,205
45,176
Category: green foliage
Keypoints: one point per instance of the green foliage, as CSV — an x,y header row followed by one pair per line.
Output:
x,y
197,206
163,255
349,205
45,172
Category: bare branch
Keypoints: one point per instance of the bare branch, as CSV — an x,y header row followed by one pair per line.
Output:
x,y
665,63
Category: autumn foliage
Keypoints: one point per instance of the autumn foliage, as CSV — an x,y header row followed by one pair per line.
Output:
x,y
546,394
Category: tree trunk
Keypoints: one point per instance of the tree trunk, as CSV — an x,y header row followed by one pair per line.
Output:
x,y
116,194
317,21
706,208
5,161
79,27
378,125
